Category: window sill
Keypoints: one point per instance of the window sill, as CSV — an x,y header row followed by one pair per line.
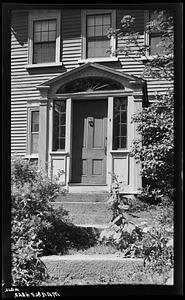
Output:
x,y
121,151
98,59
150,57
59,152
29,156
44,65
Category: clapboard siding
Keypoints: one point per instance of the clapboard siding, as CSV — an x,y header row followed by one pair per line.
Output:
x,y
25,81
71,38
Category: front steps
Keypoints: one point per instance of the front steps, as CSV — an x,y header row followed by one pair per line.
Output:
x,y
79,269
88,211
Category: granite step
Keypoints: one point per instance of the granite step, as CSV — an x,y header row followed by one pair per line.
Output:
x,y
83,197
87,212
89,269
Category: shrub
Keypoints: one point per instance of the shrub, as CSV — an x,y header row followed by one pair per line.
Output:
x,y
153,243
32,213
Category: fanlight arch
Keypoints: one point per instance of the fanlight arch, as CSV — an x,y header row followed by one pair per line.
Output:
x,y
90,84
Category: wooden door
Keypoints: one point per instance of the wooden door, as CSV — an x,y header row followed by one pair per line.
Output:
x,y
89,143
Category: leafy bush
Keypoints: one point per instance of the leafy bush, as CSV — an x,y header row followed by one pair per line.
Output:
x,y
37,227
32,213
153,243
155,149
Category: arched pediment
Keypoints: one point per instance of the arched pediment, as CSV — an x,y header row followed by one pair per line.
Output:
x,y
91,77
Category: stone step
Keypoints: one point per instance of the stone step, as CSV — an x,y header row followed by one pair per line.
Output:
x,y
83,197
90,269
87,212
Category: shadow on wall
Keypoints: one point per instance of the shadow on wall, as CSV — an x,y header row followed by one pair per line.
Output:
x,y
19,27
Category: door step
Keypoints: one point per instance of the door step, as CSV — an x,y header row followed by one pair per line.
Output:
x,y
79,188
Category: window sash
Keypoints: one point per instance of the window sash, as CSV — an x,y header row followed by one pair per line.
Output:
x,y
96,39
120,123
44,41
59,125
34,132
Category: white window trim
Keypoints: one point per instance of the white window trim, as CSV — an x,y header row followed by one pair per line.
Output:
x,y
38,16
84,14
29,111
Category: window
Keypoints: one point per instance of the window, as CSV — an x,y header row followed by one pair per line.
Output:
x,y
44,37
154,36
59,125
120,124
44,41
95,27
34,138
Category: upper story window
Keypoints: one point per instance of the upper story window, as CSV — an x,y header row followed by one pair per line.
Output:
x,y
44,37
44,41
154,35
95,25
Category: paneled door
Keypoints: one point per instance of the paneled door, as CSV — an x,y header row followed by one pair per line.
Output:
x,y
89,144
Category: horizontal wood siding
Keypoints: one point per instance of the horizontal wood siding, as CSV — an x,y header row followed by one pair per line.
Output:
x,y
71,38
23,82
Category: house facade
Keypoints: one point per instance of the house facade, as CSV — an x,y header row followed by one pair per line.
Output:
x,y
72,100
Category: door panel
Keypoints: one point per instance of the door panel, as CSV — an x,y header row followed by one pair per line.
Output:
x,y
89,142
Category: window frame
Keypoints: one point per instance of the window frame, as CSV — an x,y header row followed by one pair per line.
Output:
x,y
120,123
29,131
43,16
53,137
147,35
84,15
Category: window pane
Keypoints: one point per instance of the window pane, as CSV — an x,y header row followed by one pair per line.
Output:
x,y
35,121
106,20
52,25
34,142
123,129
37,26
98,48
44,36
105,29
90,21
123,143
98,31
98,20
35,116
45,25
52,36
37,37
123,117
90,31
154,41
61,131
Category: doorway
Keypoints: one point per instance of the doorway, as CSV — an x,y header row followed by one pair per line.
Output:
x,y
89,142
